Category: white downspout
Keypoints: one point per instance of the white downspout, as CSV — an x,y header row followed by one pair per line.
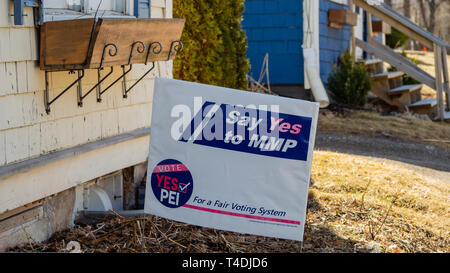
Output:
x,y
311,52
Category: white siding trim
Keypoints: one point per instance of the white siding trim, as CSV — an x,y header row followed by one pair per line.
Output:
x,y
26,186
169,8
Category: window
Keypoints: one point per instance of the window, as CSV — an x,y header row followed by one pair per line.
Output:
x,y
342,2
78,9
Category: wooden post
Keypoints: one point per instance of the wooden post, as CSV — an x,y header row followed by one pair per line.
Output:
x,y
352,31
369,30
446,77
369,25
439,91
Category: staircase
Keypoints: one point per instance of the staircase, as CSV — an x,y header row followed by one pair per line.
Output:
x,y
388,86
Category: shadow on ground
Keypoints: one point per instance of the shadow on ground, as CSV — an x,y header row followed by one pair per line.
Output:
x,y
402,150
319,237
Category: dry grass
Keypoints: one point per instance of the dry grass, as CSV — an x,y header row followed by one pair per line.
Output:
x,y
401,209
426,63
356,204
374,124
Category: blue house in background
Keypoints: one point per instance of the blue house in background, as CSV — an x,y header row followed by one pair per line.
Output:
x,y
276,27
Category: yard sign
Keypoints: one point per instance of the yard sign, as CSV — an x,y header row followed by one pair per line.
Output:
x,y
230,159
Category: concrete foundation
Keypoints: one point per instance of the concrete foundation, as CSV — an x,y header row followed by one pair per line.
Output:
x,y
292,91
38,223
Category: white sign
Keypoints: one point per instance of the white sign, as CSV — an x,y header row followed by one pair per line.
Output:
x,y
230,159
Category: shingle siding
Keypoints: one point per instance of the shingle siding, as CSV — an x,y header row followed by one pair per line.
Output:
x,y
26,131
333,42
275,27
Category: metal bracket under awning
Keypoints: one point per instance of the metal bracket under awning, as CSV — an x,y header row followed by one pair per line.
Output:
x,y
19,6
139,47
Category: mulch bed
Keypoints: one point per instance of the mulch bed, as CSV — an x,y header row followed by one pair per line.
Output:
x,y
152,234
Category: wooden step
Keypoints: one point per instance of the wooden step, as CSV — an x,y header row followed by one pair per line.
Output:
x,y
423,104
374,66
372,61
396,60
426,106
404,89
388,75
404,95
447,116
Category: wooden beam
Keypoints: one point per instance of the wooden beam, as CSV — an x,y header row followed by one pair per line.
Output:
x,y
369,25
393,58
352,32
124,32
75,44
369,29
20,219
381,27
11,213
339,17
393,22
446,77
60,46
439,89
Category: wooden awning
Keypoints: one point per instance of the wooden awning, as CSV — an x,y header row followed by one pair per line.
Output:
x,y
83,43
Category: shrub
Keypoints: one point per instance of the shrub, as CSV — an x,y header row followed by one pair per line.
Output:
x,y
396,39
215,45
350,82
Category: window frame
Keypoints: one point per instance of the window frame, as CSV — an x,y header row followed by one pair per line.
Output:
x,y
342,2
130,9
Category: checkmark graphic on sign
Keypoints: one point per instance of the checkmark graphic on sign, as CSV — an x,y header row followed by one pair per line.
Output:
x,y
183,187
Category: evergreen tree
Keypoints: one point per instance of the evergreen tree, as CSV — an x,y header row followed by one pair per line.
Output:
x,y
214,43
350,82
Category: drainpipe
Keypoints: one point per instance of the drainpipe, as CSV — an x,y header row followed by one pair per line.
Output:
x,y
311,52
313,75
